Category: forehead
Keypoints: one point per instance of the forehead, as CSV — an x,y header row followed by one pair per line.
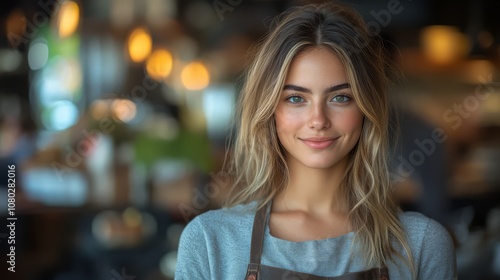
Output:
x,y
316,67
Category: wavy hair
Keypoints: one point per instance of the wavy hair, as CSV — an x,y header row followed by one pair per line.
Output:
x,y
257,167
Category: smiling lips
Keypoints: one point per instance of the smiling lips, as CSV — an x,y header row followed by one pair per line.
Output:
x,y
319,142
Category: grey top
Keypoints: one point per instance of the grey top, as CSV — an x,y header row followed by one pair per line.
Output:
x,y
216,245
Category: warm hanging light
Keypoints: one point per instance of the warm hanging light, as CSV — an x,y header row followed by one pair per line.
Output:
x,y
159,64
69,16
15,23
195,76
444,44
139,44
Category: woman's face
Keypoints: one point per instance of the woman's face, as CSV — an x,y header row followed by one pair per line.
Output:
x,y
317,120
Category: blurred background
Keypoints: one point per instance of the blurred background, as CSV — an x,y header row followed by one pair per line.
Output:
x,y
115,114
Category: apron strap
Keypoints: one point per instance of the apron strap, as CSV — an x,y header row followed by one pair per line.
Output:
x,y
255,268
259,224
252,271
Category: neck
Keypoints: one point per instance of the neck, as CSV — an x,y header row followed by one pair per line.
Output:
x,y
313,190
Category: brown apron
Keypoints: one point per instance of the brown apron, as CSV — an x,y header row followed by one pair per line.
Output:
x,y
258,271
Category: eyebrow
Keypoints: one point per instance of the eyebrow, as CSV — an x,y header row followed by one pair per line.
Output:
x,y
306,90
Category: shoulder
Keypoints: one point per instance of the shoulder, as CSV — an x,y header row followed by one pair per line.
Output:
x,y
220,221
216,244
416,221
431,245
420,227
226,216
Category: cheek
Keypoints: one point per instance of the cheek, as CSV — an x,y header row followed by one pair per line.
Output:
x,y
285,121
352,121
281,126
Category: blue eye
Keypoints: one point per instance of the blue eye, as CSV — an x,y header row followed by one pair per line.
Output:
x,y
341,98
295,99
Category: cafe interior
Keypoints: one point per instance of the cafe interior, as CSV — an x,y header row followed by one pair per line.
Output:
x,y
115,115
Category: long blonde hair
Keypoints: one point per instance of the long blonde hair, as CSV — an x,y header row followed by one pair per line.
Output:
x,y
257,166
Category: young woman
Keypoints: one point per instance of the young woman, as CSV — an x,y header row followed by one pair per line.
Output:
x,y
311,195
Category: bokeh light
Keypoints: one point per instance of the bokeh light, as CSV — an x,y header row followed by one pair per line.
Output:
x,y
139,45
123,110
38,55
69,16
132,217
159,64
444,44
10,60
485,39
60,79
195,76
60,115
15,24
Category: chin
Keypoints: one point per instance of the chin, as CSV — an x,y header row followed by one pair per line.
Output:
x,y
324,161
320,164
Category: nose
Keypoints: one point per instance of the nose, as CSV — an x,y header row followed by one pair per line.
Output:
x,y
318,118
